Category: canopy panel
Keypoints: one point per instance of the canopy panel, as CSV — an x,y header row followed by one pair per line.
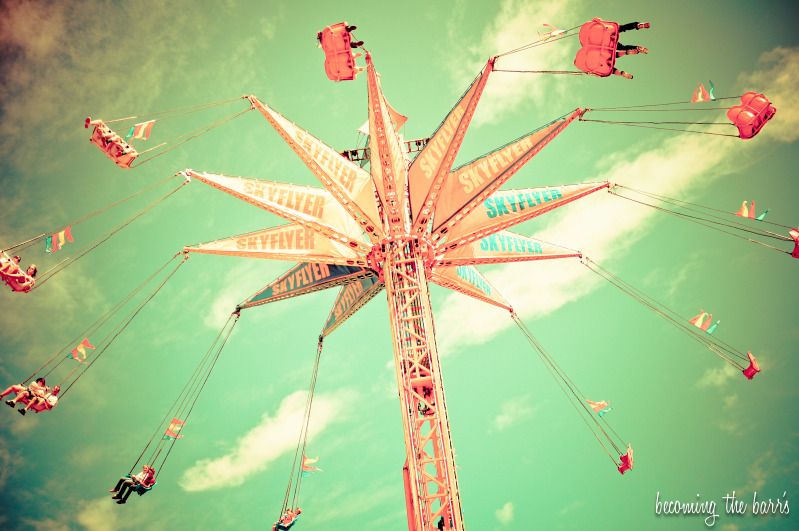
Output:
x,y
387,162
468,280
472,183
349,183
504,246
305,278
311,207
431,167
507,208
351,298
287,242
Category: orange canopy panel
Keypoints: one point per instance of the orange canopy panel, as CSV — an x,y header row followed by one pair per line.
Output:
x,y
110,143
339,59
599,39
752,114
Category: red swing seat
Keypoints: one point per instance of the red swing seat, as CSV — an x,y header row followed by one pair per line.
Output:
x,y
110,143
339,59
599,39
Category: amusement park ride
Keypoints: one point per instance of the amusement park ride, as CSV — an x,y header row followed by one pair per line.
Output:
x,y
402,224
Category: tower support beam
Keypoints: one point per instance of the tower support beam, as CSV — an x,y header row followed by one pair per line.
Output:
x,y
431,484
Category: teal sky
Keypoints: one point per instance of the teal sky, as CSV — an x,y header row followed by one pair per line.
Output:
x,y
525,459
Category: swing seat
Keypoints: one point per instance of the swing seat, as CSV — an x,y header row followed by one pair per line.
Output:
x,y
287,521
626,461
17,285
280,526
110,143
23,399
339,59
599,39
753,368
141,490
794,233
752,114
38,408
14,277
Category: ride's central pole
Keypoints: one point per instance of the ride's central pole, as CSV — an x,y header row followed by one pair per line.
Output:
x,y
431,483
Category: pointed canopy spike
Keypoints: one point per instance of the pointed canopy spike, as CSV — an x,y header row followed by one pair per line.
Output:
x,y
506,208
350,299
350,184
388,165
431,167
308,277
314,208
468,280
287,242
504,247
469,185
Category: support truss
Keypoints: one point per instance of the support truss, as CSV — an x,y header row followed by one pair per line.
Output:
x,y
432,484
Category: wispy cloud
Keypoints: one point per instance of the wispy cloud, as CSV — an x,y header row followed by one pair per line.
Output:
x,y
505,514
5,463
513,411
341,503
730,401
615,225
45,524
669,282
777,77
516,24
36,31
605,229
266,442
98,515
38,43
244,278
733,427
717,376
759,471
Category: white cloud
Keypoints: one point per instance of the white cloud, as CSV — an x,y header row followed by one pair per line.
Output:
x,y
516,24
268,28
730,401
732,427
717,376
604,228
513,411
243,279
98,515
37,31
759,471
777,78
5,464
266,442
670,282
340,503
505,514
45,524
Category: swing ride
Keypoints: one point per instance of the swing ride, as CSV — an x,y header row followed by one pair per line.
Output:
x,y
403,223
